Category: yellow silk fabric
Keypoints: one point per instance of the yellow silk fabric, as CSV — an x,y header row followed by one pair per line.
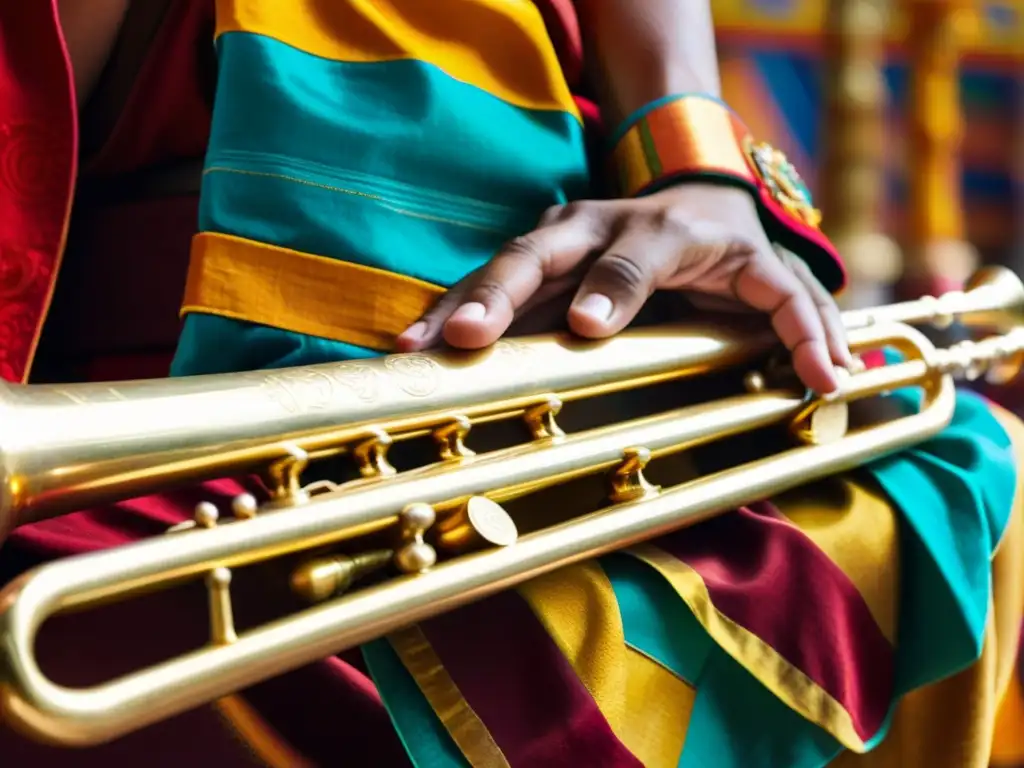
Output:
x,y
299,292
499,46
646,705
466,729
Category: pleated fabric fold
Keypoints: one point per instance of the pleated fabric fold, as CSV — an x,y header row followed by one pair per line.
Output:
x,y
767,636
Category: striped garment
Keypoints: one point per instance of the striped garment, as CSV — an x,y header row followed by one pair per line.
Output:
x,y
367,151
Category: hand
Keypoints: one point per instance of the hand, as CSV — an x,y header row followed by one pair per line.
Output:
x,y
702,239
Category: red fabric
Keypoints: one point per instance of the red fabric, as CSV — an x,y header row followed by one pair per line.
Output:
x,y
873,358
38,148
533,704
122,282
176,124
838,644
116,524
324,710
563,27
128,367
166,118
807,242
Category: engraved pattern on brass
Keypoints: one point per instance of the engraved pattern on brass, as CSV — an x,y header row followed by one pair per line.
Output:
x,y
415,374
360,380
515,351
298,391
90,393
58,453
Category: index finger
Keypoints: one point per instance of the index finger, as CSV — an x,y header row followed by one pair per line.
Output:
x,y
509,280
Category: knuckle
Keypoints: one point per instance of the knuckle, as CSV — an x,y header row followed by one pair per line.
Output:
x,y
575,209
784,254
444,306
742,246
791,304
450,299
803,300
621,270
674,220
566,211
553,214
799,266
524,247
490,293
834,319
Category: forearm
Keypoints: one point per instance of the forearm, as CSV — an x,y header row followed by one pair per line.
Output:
x,y
641,50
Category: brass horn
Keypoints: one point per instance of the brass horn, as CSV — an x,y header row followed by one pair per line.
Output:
x,y
66,447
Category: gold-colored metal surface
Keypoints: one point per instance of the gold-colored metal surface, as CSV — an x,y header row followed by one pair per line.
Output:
x,y
447,536
783,182
64,448
478,522
325,577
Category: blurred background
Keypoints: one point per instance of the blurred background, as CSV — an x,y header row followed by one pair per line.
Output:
x,y
906,118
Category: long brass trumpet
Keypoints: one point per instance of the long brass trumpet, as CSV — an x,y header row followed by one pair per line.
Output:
x,y
448,539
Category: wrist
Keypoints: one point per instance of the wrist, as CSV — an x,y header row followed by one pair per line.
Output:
x,y
697,139
703,195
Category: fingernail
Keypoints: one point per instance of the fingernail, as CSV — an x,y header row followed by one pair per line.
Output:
x,y
472,311
415,331
832,389
597,305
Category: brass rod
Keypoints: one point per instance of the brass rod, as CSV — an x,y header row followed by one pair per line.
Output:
x,y
34,704
75,717
330,519
64,448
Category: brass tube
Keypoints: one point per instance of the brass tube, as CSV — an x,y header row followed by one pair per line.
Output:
x,y
64,448
459,394
74,717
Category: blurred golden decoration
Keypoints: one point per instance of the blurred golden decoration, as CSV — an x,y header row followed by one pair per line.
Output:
x,y
937,32
783,182
853,171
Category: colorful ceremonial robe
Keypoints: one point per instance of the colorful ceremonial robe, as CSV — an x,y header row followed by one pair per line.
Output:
x,y
362,158
382,150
